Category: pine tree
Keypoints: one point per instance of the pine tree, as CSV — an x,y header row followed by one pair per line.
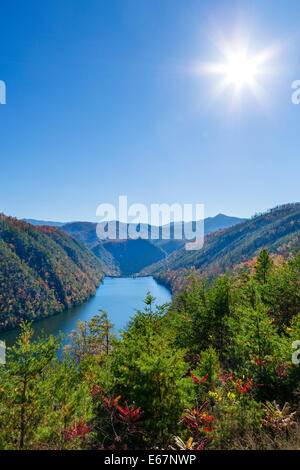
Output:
x,y
264,266
22,406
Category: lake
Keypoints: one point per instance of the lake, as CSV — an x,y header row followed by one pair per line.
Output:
x,y
119,297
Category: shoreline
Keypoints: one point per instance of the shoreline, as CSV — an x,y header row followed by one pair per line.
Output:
x,y
7,334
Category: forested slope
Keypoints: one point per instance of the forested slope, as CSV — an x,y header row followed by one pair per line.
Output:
x,y
222,250
131,256
42,271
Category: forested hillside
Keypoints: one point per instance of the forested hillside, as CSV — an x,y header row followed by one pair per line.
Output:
x,y
42,271
131,256
277,230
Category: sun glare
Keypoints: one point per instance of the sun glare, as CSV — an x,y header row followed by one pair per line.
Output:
x,y
240,70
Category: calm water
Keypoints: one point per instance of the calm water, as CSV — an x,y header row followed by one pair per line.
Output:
x,y
119,297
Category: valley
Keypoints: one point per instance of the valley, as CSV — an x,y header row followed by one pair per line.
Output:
x,y
46,270
129,257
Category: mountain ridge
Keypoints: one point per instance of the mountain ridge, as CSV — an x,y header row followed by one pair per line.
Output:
x,y
230,246
37,223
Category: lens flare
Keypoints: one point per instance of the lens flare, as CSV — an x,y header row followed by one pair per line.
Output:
x,y
238,69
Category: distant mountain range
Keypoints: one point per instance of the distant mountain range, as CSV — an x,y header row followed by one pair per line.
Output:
x,y
278,230
43,222
211,224
129,257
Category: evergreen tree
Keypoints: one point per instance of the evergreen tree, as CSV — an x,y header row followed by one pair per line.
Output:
x,y
147,370
263,266
22,406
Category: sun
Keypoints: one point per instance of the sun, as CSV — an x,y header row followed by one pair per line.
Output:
x,y
240,70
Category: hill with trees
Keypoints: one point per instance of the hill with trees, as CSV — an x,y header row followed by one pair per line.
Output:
x,y
42,271
133,255
278,230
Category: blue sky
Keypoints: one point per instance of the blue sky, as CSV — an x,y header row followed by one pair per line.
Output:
x,y
102,101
